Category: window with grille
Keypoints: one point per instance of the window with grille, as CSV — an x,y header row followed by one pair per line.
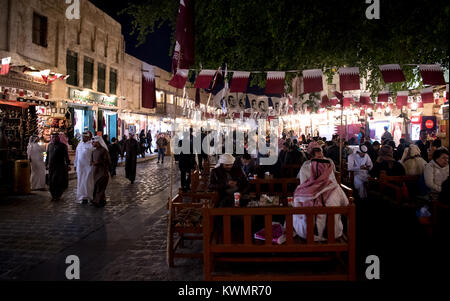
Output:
x,y
72,68
101,74
40,25
113,81
88,72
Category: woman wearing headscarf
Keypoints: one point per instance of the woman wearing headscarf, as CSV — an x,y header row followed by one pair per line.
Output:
x,y
321,190
100,163
36,157
386,161
412,161
436,172
57,162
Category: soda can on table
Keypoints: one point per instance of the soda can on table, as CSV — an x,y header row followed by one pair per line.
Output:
x,y
290,201
237,198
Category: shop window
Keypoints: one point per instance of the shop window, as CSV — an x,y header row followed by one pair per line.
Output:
x,y
113,81
40,25
72,68
101,78
88,73
159,97
170,99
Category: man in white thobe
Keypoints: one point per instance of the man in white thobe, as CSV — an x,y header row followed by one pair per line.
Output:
x,y
85,180
360,163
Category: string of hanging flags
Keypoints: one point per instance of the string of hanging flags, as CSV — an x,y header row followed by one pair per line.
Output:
x,y
349,78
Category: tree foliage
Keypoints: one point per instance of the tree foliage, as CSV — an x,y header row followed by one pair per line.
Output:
x,y
265,35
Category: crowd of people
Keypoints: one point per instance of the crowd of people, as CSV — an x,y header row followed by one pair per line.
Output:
x,y
96,160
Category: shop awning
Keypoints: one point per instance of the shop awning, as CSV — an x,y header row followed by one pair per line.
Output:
x,y
15,103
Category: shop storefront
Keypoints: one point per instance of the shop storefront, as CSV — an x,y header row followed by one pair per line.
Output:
x,y
93,112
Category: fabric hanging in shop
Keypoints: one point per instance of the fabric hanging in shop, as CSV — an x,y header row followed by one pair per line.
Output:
x,y
148,87
112,120
100,121
5,66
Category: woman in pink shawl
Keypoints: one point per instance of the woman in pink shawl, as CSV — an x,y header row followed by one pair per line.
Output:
x,y
319,190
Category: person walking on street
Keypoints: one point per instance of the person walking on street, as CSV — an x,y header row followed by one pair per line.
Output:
x,y
100,163
122,146
35,154
85,182
132,150
142,143
57,164
149,141
161,143
114,151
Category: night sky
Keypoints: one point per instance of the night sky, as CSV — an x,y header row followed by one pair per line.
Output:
x,y
156,49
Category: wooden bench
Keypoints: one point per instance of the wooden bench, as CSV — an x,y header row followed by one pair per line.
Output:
x,y
290,170
282,187
185,220
238,245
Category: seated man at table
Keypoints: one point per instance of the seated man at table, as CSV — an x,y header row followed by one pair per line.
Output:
x,y
227,179
315,152
249,166
319,190
360,164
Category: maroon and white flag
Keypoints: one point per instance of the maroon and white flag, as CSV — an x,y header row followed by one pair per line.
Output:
x,y
427,95
402,99
312,80
432,74
275,83
383,96
364,98
204,79
349,78
184,36
5,66
45,74
148,87
347,101
334,101
179,79
325,101
392,73
239,81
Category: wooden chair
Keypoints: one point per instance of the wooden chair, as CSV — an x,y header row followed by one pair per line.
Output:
x,y
238,245
291,170
282,187
396,184
185,221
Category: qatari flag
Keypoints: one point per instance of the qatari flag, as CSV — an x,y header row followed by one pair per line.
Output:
x,y
349,78
427,95
432,74
184,36
334,101
204,79
312,80
275,83
347,101
5,66
148,87
364,98
239,81
179,79
402,99
392,73
383,96
325,101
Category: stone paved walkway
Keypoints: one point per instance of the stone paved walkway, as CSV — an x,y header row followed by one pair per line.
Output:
x,y
34,231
